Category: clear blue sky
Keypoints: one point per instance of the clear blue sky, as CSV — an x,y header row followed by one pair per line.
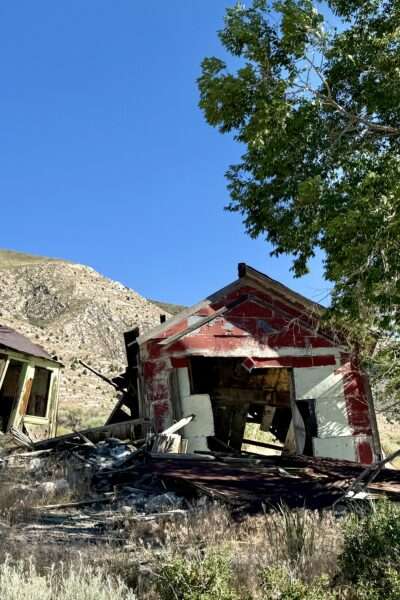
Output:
x,y
105,158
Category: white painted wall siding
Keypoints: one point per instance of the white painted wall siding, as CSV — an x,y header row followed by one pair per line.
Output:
x,y
325,386
183,382
202,425
199,405
342,448
314,382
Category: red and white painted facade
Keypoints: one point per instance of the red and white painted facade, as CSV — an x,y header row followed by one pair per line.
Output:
x,y
268,326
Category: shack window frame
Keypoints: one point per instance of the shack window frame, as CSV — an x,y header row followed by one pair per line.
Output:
x,y
3,371
37,371
31,363
12,358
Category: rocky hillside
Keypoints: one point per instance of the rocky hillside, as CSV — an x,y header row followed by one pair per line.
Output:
x,y
74,313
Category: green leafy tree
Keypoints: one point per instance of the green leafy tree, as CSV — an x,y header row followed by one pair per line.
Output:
x,y
317,111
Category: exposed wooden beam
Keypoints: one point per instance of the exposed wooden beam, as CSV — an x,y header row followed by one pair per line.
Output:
x,y
261,444
174,338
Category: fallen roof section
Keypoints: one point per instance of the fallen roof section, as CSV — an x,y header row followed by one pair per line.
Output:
x,y
253,483
244,482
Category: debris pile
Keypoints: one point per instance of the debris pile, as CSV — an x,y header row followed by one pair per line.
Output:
x,y
147,479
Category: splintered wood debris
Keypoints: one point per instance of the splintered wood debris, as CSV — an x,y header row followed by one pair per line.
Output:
x,y
84,490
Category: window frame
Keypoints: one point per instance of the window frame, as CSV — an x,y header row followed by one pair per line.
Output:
x,y
28,372
35,418
11,357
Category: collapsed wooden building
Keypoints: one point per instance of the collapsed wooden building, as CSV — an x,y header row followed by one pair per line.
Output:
x,y
252,352
254,357
29,383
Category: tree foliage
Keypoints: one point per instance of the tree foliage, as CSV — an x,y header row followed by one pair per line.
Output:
x,y
370,560
317,110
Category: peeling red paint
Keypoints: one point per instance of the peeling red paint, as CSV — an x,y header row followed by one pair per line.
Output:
x,y
271,330
365,453
356,399
294,361
222,342
153,368
250,307
153,350
160,413
205,311
159,391
179,362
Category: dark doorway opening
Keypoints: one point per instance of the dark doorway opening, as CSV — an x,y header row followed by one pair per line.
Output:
x,y
9,392
252,410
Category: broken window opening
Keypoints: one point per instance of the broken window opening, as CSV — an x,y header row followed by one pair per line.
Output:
x,y
252,410
39,396
9,393
307,412
3,364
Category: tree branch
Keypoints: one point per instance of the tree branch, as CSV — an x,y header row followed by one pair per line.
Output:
x,y
329,100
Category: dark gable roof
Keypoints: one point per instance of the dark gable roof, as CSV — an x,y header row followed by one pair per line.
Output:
x,y
15,341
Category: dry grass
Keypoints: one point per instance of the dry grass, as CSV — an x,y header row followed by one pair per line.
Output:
x,y
11,258
29,483
78,418
206,539
390,437
205,555
304,542
23,581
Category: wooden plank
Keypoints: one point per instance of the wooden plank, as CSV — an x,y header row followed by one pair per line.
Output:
x,y
179,425
94,434
85,439
235,396
179,456
367,477
174,338
261,444
100,375
101,500
294,319
21,438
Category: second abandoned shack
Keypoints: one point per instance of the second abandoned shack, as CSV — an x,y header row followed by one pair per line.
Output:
x,y
29,382
253,352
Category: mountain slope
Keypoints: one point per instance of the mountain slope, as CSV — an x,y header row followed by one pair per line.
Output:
x,y
10,258
74,313
168,308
